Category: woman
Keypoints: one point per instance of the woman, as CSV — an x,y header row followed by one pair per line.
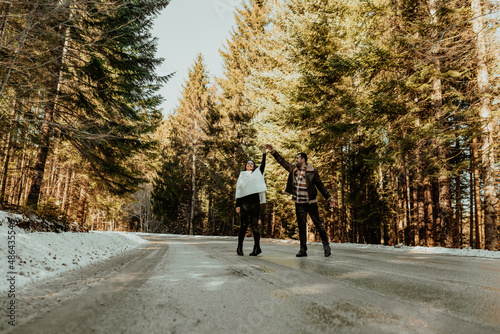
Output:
x,y
250,193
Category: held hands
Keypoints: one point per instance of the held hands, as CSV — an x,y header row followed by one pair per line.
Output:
x,y
269,147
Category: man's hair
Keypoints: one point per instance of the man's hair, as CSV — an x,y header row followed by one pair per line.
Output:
x,y
303,156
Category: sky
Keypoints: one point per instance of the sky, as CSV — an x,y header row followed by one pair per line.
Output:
x,y
42,255
184,29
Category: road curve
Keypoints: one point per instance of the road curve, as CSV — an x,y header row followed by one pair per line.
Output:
x,y
199,285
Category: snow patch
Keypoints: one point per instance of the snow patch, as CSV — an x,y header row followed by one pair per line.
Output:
x,y
41,255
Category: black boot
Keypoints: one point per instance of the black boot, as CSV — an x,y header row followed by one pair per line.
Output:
x,y
256,250
239,250
302,252
328,250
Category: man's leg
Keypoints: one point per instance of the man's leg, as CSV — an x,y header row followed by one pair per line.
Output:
x,y
318,223
301,213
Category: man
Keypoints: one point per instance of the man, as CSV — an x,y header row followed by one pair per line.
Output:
x,y
303,179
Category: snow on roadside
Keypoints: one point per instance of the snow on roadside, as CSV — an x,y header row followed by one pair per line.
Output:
x,y
41,255
399,248
470,252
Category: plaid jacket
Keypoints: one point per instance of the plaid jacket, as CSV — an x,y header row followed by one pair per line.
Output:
x,y
312,179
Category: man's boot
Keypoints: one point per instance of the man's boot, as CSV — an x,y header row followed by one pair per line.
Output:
x,y
302,252
328,250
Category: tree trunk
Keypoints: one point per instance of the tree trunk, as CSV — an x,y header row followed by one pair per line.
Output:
x,y
210,218
5,168
402,213
415,221
343,209
457,222
193,185
477,193
429,213
457,226
421,235
17,188
45,139
488,155
273,222
82,204
49,112
472,207
394,199
335,210
443,223
409,238
7,157
43,152
53,177
68,188
5,9
380,194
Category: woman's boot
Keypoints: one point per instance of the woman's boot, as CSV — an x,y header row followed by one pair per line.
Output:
x,y
256,251
256,246
239,250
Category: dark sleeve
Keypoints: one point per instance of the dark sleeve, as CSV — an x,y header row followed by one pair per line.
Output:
x,y
286,165
263,163
321,187
238,202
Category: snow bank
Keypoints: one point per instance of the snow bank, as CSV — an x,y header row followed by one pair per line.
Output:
x,y
429,250
42,255
470,252
412,250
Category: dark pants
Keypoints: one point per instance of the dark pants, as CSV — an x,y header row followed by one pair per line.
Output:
x,y
250,213
301,210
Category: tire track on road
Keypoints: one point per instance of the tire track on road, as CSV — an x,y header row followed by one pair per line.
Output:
x,y
70,316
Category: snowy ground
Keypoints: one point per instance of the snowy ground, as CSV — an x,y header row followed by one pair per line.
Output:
x,y
41,255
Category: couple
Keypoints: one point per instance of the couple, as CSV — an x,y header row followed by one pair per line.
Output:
x,y
303,179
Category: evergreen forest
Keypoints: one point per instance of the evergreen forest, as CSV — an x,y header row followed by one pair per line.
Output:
x,y
395,102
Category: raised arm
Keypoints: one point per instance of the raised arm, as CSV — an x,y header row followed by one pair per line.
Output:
x,y
285,164
263,163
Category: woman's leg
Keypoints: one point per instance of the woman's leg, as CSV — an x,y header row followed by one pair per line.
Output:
x,y
244,221
254,221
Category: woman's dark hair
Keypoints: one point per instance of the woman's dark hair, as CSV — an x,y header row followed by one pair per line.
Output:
x,y
247,163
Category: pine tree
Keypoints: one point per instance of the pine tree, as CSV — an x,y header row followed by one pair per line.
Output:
x,y
171,190
183,149
231,133
310,88
381,59
108,101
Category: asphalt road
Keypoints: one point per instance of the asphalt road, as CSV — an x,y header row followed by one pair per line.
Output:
x,y
199,285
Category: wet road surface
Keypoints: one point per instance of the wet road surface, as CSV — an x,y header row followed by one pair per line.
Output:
x,y
199,285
